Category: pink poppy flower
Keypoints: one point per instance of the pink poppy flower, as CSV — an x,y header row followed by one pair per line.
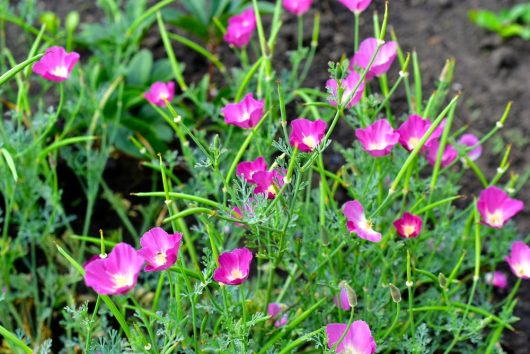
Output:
x,y
382,62
496,207
378,139
470,140
159,249
297,7
409,225
160,91
357,340
348,84
241,28
341,301
274,310
268,182
354,212
56,64
115,274
307,134
519,260
497,279
413,129
450,154
234,267
245,114
356,6
246,169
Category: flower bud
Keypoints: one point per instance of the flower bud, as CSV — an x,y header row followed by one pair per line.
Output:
x,y
395,293
51,21
72,21
350,293
442,280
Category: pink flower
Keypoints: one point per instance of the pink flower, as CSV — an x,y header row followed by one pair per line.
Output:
x,y
409,225
233,267
306,134
498,279
239,214
357,340
348,84
356,6
115,274
56,64
470,140
240,28
160,91
379,138
268,182
496,207
297,7
245,114
354,212
274,310
413,129
341,301
159,249
246,169
450,154
519,260
382,62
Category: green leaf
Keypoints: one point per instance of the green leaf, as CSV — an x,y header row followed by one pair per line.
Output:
x,y
139,68
485,19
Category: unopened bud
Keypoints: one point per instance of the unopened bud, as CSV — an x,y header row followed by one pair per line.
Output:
x,y
395,293
72,21
442,280
350,293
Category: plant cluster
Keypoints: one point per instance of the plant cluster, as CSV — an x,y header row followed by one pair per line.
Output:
x,y
271,247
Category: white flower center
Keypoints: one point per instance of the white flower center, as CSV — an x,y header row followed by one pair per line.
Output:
x,y
309,141
122,280
495,219
164,95
271,189
408,229
245,117
236,274
60,71
378,145
523,269
160,258
413,142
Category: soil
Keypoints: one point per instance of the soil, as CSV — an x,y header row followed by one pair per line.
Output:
x,y
490,72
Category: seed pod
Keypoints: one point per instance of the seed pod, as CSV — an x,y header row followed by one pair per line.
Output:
x,y
442,280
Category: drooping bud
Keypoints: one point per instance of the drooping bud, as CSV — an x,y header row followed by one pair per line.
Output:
x,y
350,293
395,293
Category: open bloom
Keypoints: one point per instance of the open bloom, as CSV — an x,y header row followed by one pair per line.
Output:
x,y
297,7
160,91
159,249
306,134
56,64
450,154
470,140
268,182
519,260
115,274
496,207
356,6
348,84
357,340
245,114
497,279
378,139
409,225
246,169
382,62
413,129
240,28
233,267
274,310
357,222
